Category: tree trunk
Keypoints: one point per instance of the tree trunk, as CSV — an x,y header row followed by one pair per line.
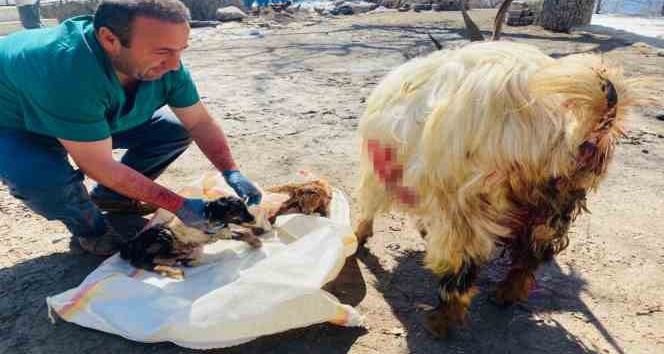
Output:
x,y
562,15
599,6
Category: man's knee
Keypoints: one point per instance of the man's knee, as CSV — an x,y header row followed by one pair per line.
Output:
x,y
52,199
69,204
31,160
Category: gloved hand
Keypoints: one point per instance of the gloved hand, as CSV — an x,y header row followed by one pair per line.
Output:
x,y
242,186
192,214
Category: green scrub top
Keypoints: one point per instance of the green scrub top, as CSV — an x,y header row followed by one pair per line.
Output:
x,y
59,82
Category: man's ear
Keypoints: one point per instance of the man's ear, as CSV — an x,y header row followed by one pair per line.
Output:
x,y
108,40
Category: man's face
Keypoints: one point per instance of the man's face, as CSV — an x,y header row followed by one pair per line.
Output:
x,y
154,49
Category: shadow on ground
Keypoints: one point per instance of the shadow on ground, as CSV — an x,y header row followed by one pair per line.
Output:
x,y
523,328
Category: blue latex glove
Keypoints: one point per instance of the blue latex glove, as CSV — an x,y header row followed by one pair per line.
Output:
x,y
242,186
192,214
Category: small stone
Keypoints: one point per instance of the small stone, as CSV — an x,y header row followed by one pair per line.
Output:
x,y
645,151
393,246
55,238
395,228
423,307
397,331
581,317
230,13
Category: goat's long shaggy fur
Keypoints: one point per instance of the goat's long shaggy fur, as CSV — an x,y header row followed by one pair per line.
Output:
x,y
498,141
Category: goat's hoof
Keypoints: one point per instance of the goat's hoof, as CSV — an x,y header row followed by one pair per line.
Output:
x,y
437,323
248,237
254,242
362,238
508,293
363,231
258,231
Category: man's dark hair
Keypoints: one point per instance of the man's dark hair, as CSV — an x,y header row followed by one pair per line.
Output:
x,y
118,15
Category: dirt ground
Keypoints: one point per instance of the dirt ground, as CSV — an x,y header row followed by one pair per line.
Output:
x,y
290,99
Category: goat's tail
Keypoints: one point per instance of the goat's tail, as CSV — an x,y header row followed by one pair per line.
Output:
x,y
592,88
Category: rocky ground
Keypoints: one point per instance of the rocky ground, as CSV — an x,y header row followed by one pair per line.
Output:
x,y
289,96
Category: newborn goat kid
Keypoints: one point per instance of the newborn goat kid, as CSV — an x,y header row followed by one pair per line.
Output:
x,y
162,247
304,198
491,143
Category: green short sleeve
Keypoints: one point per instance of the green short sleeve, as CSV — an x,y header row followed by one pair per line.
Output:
x,y
182,90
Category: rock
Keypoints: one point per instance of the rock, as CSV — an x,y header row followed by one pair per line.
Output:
x,y
520,17
342,10
254,32
396,331
518,5
422,7
205,9
660,116
393,246
641,45
55,238
230,13
202,23
281,6
522,21
517,13
382,8
362,7
446,6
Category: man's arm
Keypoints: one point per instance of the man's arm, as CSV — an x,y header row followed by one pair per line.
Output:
x,y
212,141
96,160
207,134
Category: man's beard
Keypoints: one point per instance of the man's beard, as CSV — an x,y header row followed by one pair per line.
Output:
x,y
144,77
125,67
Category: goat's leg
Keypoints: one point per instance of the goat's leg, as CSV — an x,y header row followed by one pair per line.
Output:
x,y
364,230
455,292
520,279
371,196
249,237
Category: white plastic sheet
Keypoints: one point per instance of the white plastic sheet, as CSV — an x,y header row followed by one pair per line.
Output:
x,y
237,295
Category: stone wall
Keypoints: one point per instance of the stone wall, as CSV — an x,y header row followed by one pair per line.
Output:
x,y
200,9
64,10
